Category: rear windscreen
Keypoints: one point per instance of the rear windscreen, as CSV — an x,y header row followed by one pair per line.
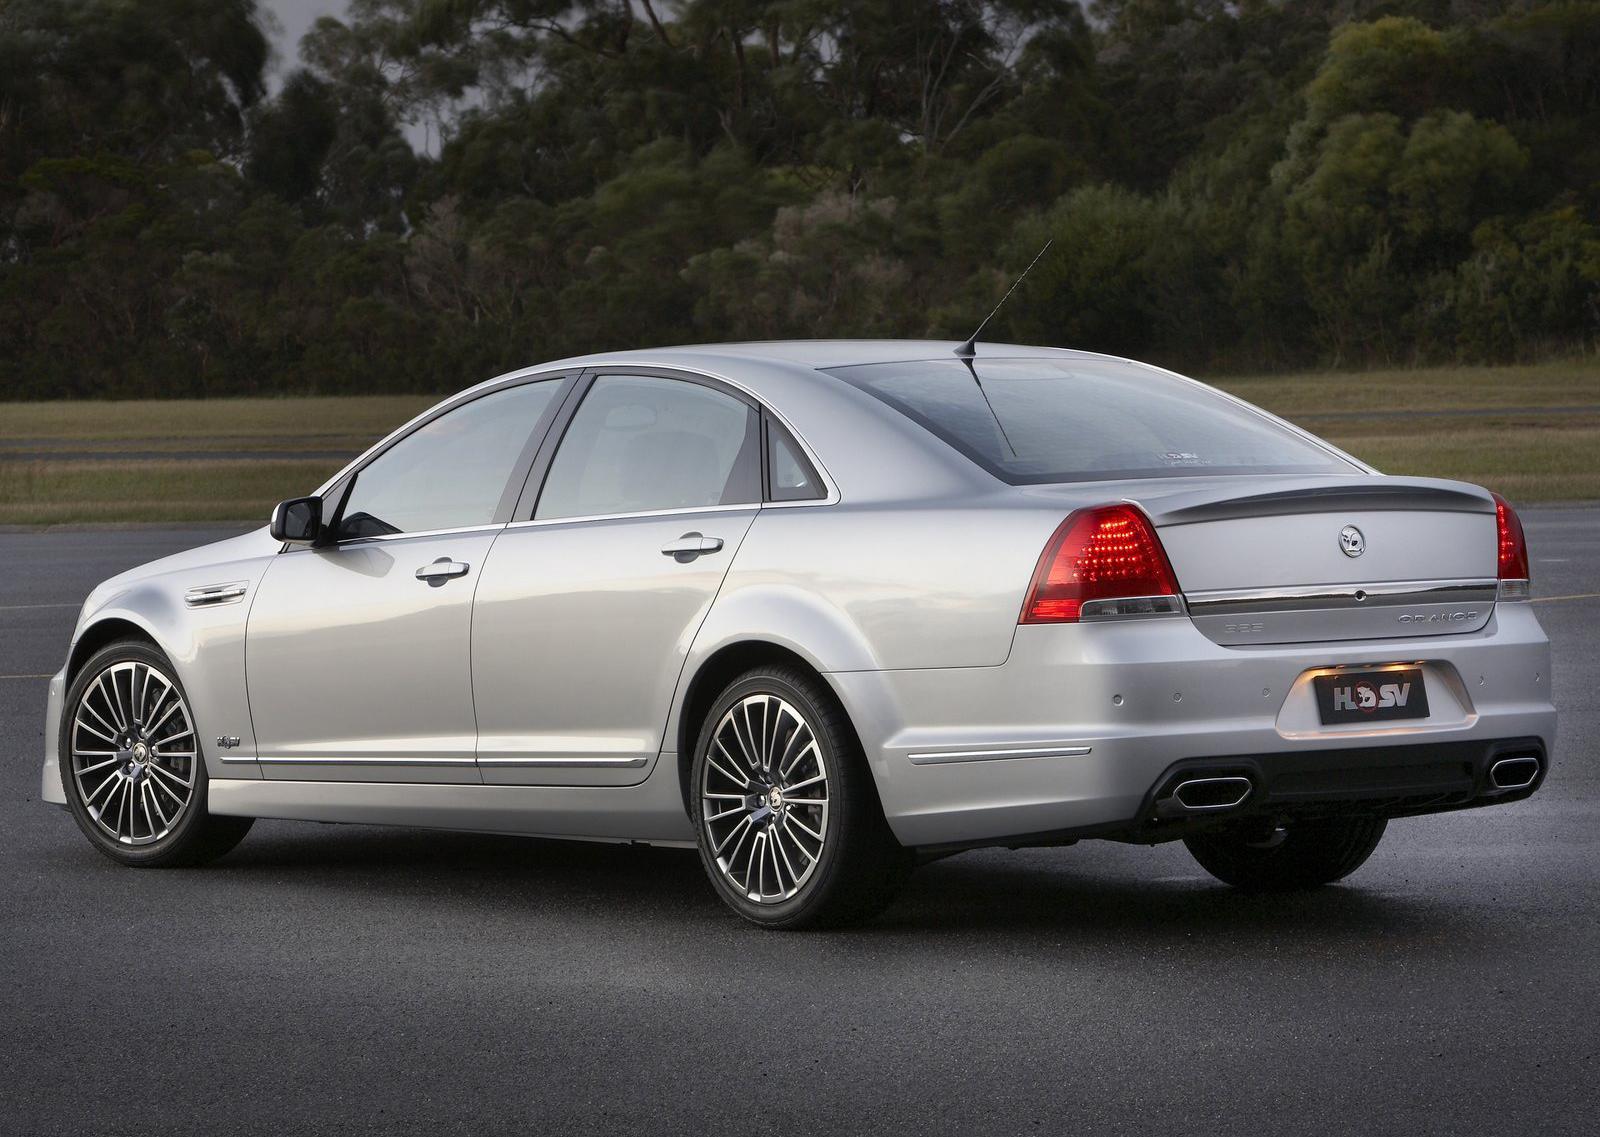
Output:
x,y
1043,420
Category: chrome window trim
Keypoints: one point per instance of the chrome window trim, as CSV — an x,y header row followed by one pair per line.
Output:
x,y
568,370
934,757
751,505
832,495
442,407
349,541
1378,594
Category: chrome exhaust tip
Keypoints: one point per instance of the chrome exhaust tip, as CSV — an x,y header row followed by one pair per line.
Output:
x,y
1514,773
1205,795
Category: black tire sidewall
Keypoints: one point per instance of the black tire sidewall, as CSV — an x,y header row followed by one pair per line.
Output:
x,y
190,827
844,774
1314,853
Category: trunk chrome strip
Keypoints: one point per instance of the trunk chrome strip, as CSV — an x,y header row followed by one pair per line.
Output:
x,y
1379,594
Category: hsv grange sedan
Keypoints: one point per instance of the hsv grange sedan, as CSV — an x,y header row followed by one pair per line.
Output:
x,y
823,610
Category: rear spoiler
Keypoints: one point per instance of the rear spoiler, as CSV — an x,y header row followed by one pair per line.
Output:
x,y
1425,494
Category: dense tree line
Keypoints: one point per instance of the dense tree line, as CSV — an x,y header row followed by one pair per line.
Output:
x,y
1245,184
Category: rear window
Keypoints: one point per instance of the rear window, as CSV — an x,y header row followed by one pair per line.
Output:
x,y
1028,421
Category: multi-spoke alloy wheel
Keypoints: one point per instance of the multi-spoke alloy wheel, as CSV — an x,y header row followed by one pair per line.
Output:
x,y
790,829
764,798
133,753
132,765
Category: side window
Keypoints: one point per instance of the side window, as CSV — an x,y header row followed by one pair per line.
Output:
x,y
449,473
642,443
789,477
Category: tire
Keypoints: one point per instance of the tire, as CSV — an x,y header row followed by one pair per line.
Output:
x,y
822,856
1304,854
128,737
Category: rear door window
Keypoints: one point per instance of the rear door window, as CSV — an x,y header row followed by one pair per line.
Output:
x,y
643,444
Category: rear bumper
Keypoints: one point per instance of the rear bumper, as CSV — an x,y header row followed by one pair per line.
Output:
x,y
1076,733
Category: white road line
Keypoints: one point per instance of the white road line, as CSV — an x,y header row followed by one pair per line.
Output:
x,y
26,677
23,607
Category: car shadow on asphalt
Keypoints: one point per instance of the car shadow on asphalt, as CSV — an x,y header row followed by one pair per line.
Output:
x,y
1023,894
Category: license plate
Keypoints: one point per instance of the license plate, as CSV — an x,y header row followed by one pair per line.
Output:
x,y
1371,696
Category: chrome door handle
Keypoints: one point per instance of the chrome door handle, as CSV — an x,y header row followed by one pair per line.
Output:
x,y
690,546
442,570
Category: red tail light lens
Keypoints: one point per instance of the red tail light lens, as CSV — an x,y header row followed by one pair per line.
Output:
x,y
1513,545
1108,553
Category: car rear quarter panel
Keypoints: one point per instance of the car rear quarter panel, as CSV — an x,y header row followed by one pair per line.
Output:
x,y
865,587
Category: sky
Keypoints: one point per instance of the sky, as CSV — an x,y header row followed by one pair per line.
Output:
x,y
296,18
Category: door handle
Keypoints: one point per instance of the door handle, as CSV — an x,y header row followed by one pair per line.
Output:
x,y
690,546
442,570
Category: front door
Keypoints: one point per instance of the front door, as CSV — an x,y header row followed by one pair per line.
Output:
x,y
586,612
357,653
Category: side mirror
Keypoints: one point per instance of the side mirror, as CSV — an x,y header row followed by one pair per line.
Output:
x,y
298,520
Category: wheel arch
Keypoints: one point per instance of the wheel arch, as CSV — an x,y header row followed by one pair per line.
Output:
x,y
712,677
106,630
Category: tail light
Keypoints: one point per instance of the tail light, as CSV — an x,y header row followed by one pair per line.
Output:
x,y
1105,561
1513,560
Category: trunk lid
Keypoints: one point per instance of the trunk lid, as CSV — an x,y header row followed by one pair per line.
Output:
x,y
1304,560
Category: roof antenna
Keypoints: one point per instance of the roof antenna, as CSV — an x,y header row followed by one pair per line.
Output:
x,y
970,348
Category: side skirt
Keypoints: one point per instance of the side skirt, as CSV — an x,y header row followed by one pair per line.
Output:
x,y
651,812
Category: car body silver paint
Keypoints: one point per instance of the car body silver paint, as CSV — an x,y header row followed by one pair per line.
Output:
x,y
902,588
581,630
359,671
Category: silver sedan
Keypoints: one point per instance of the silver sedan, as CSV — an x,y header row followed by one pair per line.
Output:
x,y
821,610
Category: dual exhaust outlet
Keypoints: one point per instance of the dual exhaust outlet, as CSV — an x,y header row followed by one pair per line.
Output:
x,y
1220,792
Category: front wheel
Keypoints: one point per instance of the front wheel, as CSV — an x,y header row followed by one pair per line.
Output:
x,y
790,829
131,763
1300,854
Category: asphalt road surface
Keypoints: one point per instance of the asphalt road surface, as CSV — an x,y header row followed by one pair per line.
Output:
x,y
366,980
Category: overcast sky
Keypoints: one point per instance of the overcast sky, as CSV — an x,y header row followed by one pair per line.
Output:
x,y
296,16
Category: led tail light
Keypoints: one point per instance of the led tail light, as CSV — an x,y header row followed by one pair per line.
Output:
x,y
1105,561
1513,558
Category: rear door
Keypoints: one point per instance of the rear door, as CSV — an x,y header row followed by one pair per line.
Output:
x,y
589,603
357,653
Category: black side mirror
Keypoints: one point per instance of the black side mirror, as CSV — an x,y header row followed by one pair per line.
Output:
x,y
298,520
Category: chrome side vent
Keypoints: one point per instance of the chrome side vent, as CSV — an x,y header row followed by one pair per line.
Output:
x,y
211,595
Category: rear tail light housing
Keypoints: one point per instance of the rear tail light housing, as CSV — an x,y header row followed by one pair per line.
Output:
x,y
1513,555
1102,562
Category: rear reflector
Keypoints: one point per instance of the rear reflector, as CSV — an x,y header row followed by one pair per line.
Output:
x,y
1513,545
1105,561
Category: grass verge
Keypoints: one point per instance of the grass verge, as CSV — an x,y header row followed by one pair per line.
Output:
x,y
1533,433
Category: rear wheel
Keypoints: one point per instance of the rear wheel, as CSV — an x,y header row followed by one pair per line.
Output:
x,y
1300,854
131,763
790,829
